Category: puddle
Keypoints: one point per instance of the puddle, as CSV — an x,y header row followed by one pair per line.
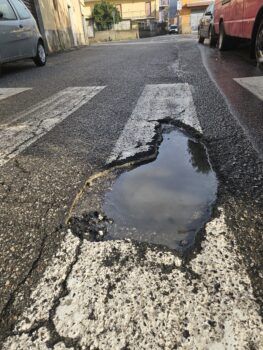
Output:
x,y
168,200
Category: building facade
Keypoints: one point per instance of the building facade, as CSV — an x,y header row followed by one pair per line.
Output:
x,y
163,10
129,9
190,13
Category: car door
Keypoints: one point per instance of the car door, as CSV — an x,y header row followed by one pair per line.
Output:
x,y
9,32
27,27
233,16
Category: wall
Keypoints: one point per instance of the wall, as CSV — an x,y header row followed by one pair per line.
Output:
x,y
185,20
114,35
123,25
62,24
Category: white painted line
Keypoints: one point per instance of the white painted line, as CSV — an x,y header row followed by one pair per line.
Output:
x,y
107,306
37,121
156,103
49,286
8,92
253,84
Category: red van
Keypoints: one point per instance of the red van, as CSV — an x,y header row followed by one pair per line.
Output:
x,y
242,19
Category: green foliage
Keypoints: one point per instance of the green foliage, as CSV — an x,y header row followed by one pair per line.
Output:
x,y
105,15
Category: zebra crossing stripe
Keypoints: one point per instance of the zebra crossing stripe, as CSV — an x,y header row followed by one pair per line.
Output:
x,y
8,92
41,118
157,102
252,84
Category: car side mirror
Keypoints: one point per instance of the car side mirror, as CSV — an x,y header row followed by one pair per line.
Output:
x,y
1,15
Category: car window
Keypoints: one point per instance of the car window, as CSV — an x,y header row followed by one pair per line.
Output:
x,y
21,8
212,7
7,11
208,9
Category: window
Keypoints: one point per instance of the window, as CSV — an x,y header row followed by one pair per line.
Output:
x,y
148,9
21,8
7,11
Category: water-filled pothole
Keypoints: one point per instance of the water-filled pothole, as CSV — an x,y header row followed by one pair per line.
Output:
x,y
167,200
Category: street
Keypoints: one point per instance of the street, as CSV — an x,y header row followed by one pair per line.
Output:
x,y
68,132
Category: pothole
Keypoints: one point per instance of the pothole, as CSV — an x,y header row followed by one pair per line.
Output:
x,y
166,201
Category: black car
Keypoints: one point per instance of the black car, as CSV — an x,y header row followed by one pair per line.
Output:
x,y
206,26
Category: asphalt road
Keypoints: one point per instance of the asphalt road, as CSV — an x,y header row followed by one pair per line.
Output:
x,y
39,182
224,67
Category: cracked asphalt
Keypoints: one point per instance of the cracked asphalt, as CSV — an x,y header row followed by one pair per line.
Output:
x,y
57,276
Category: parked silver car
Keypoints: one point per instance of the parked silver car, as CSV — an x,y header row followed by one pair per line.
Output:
x,y
206,26
19,34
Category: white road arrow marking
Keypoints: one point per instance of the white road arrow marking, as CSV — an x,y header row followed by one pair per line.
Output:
x,y
38,120
8,92
156,103
253,84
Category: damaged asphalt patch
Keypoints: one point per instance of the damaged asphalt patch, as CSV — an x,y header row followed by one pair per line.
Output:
x,y
116,298
157,103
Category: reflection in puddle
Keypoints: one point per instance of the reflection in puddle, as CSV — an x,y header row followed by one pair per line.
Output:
x,y
168,200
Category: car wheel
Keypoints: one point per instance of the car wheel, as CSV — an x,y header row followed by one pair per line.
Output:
x,y
223,40
211,36
40,59
201,39
259,45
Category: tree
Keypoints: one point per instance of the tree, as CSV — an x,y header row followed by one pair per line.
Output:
x,y
105,15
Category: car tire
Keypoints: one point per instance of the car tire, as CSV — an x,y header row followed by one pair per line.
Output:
x,y
201,39
40,59
223,40
259,44
211,36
